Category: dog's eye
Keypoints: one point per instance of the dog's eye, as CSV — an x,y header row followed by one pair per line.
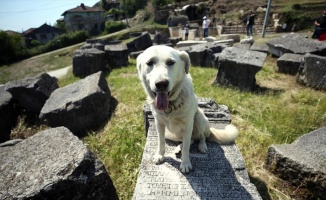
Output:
x,y
150,63
170,62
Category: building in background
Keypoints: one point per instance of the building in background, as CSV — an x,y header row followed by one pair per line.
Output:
x,y
43,34
84,18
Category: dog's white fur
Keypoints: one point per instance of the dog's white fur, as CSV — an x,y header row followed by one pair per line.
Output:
x,y
165,71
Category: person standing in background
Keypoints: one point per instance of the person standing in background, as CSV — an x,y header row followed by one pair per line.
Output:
x,y
206,23
250,23
186,31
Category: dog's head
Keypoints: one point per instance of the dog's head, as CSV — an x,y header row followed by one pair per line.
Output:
x,y
161,70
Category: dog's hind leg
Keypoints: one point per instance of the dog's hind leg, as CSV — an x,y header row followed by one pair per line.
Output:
x,y
202,145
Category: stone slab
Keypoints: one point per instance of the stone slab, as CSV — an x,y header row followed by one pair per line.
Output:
x,y
218,174
52,164
228,42
295,43
235,37
260,47
312,72
289,63
302,162
189,43
238,67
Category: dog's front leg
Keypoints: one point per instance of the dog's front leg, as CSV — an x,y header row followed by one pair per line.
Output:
x,y
186,166
159,156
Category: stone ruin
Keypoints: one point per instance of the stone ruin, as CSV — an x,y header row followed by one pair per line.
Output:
x,y
68,170
88,61
302,162
301,56
81,106
32,92
312,72
97,56
52,164
297,44
205,54
289,63
238,67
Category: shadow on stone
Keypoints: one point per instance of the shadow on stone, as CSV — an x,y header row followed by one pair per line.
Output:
x,y
261,187
113,105
213,176
259,90
264,90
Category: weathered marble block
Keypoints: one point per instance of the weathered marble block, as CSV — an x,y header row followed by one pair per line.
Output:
x,y
312,72
235,37
116,55
302,162
238,67
218,174
289,63
295,43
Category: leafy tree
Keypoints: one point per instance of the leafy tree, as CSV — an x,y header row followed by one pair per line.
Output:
x,y
160,3
12,47
60,25
114,26
105,5
130,7
35,43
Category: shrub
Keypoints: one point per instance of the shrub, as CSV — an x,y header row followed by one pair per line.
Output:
x,y
160,3
12,47
113,26
35,43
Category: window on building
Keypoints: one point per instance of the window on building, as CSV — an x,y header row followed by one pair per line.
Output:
x,y
43,37
80,26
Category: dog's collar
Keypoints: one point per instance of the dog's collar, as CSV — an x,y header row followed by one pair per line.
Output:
x,y
175,105
170,108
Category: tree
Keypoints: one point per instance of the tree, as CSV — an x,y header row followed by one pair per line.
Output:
x,y
160,3
105,5
60,25
130,7
12,47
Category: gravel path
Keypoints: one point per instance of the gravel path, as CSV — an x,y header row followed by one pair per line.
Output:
x,y
60,72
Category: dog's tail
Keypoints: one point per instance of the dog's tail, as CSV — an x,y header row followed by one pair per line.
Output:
x,y
223,136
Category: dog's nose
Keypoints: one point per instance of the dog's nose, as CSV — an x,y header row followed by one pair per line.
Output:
x,y
162,85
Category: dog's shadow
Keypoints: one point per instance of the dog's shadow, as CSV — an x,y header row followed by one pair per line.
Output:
x,y
213,176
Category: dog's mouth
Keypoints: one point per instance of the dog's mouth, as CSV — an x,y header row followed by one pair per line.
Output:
x,y
161,100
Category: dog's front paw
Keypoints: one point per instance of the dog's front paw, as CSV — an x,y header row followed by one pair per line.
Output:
x,y
185,167
158,159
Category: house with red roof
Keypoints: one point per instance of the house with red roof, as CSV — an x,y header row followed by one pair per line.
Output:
x,y
84,18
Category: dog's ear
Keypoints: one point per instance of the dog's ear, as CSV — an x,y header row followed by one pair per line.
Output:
x,y
185,58
138,64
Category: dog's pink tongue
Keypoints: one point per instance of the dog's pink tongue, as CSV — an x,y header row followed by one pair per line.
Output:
x,y
161,101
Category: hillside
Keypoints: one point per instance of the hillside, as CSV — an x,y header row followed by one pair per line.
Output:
x,y
299,12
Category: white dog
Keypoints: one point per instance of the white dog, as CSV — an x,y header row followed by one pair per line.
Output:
x,y
164,73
